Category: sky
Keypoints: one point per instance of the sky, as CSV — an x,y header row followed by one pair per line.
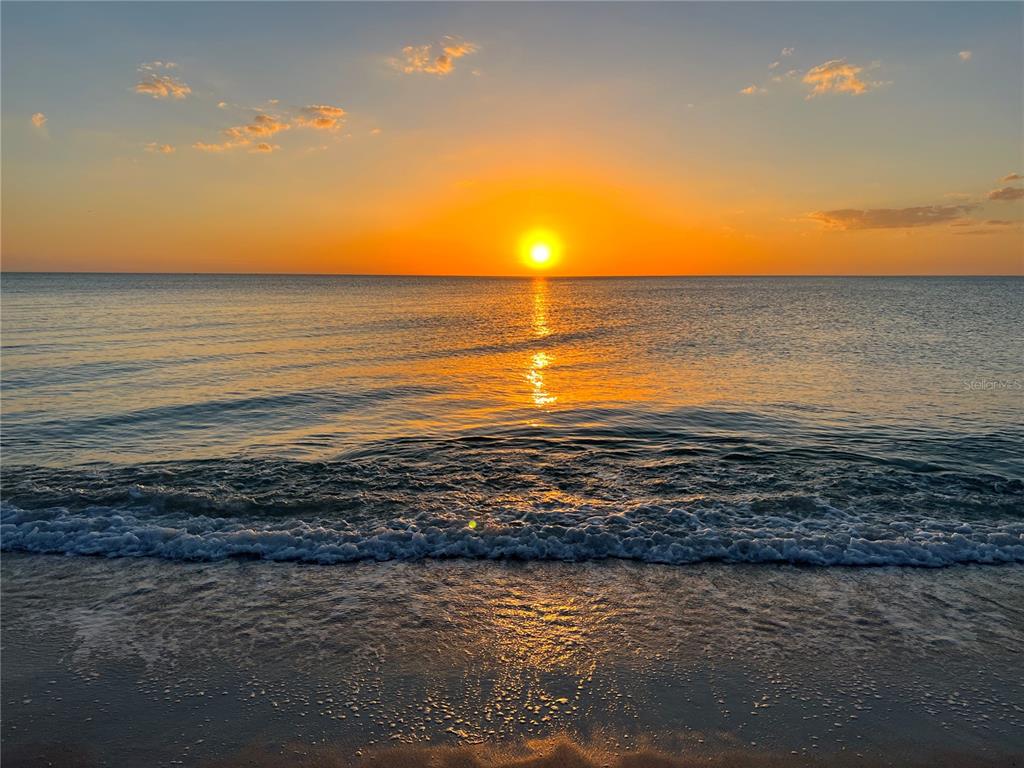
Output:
x,y
452,138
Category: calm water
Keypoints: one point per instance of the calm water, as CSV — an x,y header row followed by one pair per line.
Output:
x,y
330,419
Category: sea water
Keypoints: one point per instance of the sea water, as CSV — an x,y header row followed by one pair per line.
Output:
x,y
824,421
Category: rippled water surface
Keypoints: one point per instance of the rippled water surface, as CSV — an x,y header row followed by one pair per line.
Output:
x,y
329,419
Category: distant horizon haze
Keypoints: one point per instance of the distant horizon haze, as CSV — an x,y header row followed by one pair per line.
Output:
x,y
519,276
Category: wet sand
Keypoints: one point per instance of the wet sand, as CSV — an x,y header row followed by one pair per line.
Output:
x,y
487,665
557,752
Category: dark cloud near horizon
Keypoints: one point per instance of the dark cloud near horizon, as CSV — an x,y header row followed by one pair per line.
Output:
x,y
1007,193
891,218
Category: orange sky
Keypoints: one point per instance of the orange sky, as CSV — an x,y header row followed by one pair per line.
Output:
x,y
673,140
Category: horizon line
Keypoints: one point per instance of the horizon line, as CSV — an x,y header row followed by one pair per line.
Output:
x,y
5,272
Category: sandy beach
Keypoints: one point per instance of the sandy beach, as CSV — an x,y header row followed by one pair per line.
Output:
x,y
505,664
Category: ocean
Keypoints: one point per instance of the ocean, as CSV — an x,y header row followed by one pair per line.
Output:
x,y
261,520
819,421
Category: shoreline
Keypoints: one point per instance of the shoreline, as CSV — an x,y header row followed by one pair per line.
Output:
x,y
226,664
552,752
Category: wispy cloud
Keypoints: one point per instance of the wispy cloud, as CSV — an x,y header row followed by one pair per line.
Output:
x,y
156,66
163,149
162,87
836,76
234,138
323,117
1012,177
965,55
154,81
788,51
224,146
1007,193
750,90
421,58
988,227
890,218
39,120
264,125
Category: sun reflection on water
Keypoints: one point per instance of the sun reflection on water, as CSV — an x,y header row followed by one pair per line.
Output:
x,y
535,375
541,359
540,308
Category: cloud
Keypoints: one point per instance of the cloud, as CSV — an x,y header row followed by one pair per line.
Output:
x,y
773,65
788,51
39,120
264,125
421,58
164,149
202,146
965,55
1007,193
235,138
836,76
162,87
321,116
458,48
751,90
1007,177
890,218
375,131
988,227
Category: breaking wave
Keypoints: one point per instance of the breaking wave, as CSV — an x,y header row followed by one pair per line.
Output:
x,y
651,534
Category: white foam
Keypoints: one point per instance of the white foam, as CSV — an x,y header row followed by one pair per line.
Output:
x,y
647,534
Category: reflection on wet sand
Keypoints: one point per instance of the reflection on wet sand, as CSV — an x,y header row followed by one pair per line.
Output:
x,y
539,645
562,752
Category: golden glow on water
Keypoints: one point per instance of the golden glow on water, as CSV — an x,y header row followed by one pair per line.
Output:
x,y
424,356
540,308
535,375
540,359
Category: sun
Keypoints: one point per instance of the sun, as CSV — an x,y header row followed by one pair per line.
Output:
x,y
540,249
540,254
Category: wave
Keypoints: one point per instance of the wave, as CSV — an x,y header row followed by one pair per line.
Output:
x,y
647,534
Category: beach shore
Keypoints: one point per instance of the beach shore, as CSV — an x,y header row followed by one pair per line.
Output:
x,y
556,752
463,663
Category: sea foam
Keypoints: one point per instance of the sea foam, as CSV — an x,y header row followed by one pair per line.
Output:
x,y
647,534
